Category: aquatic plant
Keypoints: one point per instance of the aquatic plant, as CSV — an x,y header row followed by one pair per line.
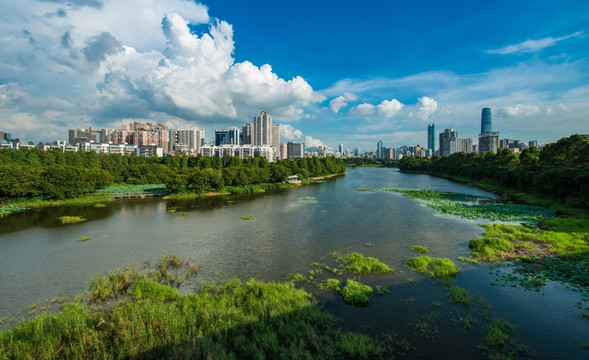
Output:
x,y
359,346
100,205
360,264
500,342
297,277
330,284
426,326
148,289
410,300
356,293
380,291
70,219
468,259
459,296
308,200
84,238
8,209
247,217
441,268
419,249
133,189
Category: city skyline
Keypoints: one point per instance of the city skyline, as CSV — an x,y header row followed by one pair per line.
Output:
x,y
329,73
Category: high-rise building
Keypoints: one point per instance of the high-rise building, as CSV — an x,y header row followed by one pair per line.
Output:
x,y
247,131
486,121
379,150
431,137
488,139
263,129
532,143
185,141
295,150
465,145
341,149
275,139
448,142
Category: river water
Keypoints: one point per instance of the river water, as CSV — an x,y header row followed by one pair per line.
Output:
x,y
40,259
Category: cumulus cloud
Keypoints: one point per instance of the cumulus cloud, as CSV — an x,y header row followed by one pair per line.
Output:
x,y
532,45
341,101
389,108
365,109
289,132
137,59
426,107
311,142
519,110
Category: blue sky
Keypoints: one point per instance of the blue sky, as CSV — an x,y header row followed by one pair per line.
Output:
x,y
329,72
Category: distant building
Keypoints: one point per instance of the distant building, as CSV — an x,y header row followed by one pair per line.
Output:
x,y
184,141
431,137
465,145
488,139
448,142
295,150
379,150
533,143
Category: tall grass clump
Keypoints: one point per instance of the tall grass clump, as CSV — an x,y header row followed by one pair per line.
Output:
x,y
356,293
420,249
360,264
443,269
459,296
500,342
70,219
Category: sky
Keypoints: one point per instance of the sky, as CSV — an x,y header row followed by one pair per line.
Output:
x,y
328,72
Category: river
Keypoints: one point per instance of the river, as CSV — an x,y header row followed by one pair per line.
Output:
x,y
40,258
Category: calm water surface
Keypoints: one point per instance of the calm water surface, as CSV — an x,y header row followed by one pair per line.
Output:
x,y
41,259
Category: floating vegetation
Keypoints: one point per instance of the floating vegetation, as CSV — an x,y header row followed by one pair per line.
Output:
x,y
84,238
380,291
171,211
10,209
419,249
324,211
368,244
308,200
134,189
184,213
471,207
356,293
500,342
426,326
70,219
330,284
468,259
459,296
247,217
410,300
100,205
360,264
441,268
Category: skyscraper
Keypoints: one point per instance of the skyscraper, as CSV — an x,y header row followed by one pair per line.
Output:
x,y
486,121
431,137
379,150
448,142
262,129
488,139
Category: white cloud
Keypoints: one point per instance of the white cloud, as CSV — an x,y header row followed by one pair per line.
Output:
x,y
289,132
310,142
563,107
519,110
341,101
389,108
365,109
532,45
426,107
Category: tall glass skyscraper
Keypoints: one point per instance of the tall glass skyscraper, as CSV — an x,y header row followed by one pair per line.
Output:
x,y
486,121
431,137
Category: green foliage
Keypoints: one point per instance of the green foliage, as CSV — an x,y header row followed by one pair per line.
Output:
x,y
359,346
134,189
468,260
70,219
440,268
500,342
560,171
459,296
360,264
356,293
148,289
419,249
247,217
380,291
330,284
297,277
84,238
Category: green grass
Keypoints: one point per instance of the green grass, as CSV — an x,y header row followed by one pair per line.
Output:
x,y
248,217
441,268
459,296
70,219
356,293
380,291
360,264
148,289
297,277
420,249
84,238
500,342
330,284
100,205
468,260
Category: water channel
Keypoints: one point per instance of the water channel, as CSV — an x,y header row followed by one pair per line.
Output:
x,y
41,259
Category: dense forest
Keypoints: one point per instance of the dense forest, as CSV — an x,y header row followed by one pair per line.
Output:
x,y
560,171
33,173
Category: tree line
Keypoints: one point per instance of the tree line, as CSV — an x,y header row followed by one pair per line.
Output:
x,y
560,171
33,173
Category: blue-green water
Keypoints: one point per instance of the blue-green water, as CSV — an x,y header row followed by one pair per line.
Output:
x,y
41,259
